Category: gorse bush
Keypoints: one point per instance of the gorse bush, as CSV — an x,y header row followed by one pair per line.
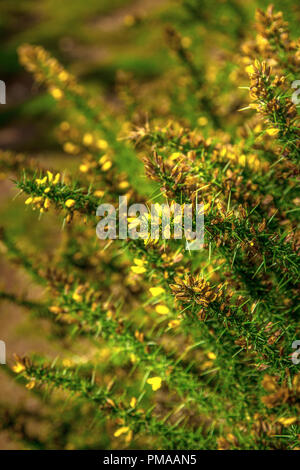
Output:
x,y
182,349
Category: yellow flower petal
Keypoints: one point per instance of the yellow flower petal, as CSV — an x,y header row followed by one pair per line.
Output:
x,y
103,159
211,355
186,42
120,431
67,363
175,155
250,69
18,367
84,168
138,269
106,166
133,402
155,291
173,323
133,358
30,385
56,93
99,193
63,76
41,181
69,147
162,309
47,203
155,383
102,144
139,262
56,179
272,131
128,438
202,121
70,203
87,139
287,421
77,297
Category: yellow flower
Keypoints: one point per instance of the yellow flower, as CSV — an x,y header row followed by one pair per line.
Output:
x,y
186,42
84,168
123,185
67,363
65,126
103,159
47,203
272,131
257,129
202,121
87,139
63,76
138,269
54,309
99,193
133,358
133,222
129,20
155,383
41,181
28,201
133,402
173,323
155,291
175,155
128,438
139,262
69,147
206,365
30,385
242,159
18,367
106,166
102,144
211,356
120,431
77,297
56,179
56,93
250,69
50,176
47,190
70,203
287,421
261,41
162,309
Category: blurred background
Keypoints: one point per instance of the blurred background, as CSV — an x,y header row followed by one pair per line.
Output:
x,y
118,50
